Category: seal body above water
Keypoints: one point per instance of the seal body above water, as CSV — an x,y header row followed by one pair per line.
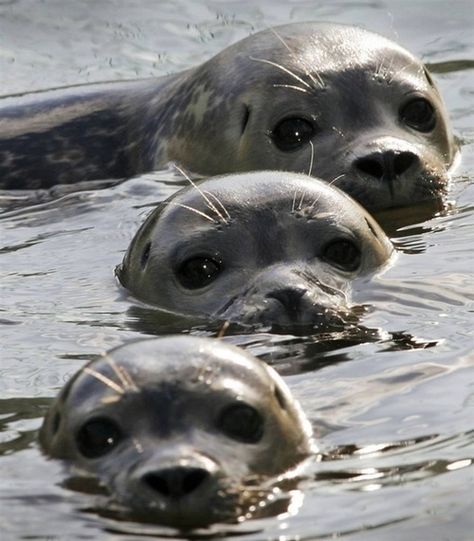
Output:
x,y
340,102
182,431
265,248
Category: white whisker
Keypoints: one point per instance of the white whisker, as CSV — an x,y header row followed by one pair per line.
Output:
x,y
312,158
329,184
279,66
122,373
219,202
307,69
192,209
293,87
300,206
335,179
294,201
209,203
104,379
223,329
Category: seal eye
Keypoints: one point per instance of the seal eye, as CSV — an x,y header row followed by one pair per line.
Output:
x,y
343,254
292,133
198,272
97,437
419,114
241,422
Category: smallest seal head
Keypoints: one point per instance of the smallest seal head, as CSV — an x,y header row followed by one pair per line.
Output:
x,y
268,248
182,431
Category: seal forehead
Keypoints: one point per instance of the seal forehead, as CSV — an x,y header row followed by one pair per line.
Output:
x,y
262,188
335,44
194,359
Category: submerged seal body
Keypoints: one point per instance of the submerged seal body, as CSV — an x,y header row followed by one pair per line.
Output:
x,y
337,101
265,248
181,430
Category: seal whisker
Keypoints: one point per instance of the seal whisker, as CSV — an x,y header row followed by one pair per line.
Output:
x,y
209,203
319,81
333,181
312,158
123,375
401,70
223,329
192,209
104,379
294,87
219,202
282,68
294,201
300,206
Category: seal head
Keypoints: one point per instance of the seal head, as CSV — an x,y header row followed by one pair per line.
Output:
x,y
178,428
264,248
343,103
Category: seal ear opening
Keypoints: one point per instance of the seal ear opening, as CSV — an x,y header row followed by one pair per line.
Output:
x,y
145,255
428,76
245,118
280,398
372,229
56,421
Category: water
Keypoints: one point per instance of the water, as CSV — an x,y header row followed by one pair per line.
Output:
x,y
393,414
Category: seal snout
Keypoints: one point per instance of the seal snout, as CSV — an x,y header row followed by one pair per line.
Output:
x,y
290,297
176,482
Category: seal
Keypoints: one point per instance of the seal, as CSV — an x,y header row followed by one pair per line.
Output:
x,y
343,103
182,431
265,248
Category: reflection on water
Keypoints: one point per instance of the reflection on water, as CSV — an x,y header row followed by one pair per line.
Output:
x,y
391,399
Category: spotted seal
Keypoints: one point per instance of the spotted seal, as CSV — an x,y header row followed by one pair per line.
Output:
x,y
343,103
263,248
183,431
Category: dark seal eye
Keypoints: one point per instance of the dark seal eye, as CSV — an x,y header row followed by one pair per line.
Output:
x,y
97,437
343,254
292,133
419,114
198,272
241,422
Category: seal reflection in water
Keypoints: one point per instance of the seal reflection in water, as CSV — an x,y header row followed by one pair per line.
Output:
x,y
181,430
265,248
361,109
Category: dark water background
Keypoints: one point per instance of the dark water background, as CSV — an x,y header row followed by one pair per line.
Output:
x,y
394,416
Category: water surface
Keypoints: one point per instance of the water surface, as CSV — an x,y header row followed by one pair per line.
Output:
x,y
393,412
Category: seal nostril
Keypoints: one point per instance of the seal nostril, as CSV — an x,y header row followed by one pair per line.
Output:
x,y
371,166
176,482
193,479
289,296
403,162
158,483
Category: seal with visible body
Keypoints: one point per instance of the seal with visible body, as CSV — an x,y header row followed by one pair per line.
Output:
x,y
341,102
264,248
183,431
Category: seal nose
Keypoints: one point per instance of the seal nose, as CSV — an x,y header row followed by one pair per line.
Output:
x,y
176,482
290,297
387,165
